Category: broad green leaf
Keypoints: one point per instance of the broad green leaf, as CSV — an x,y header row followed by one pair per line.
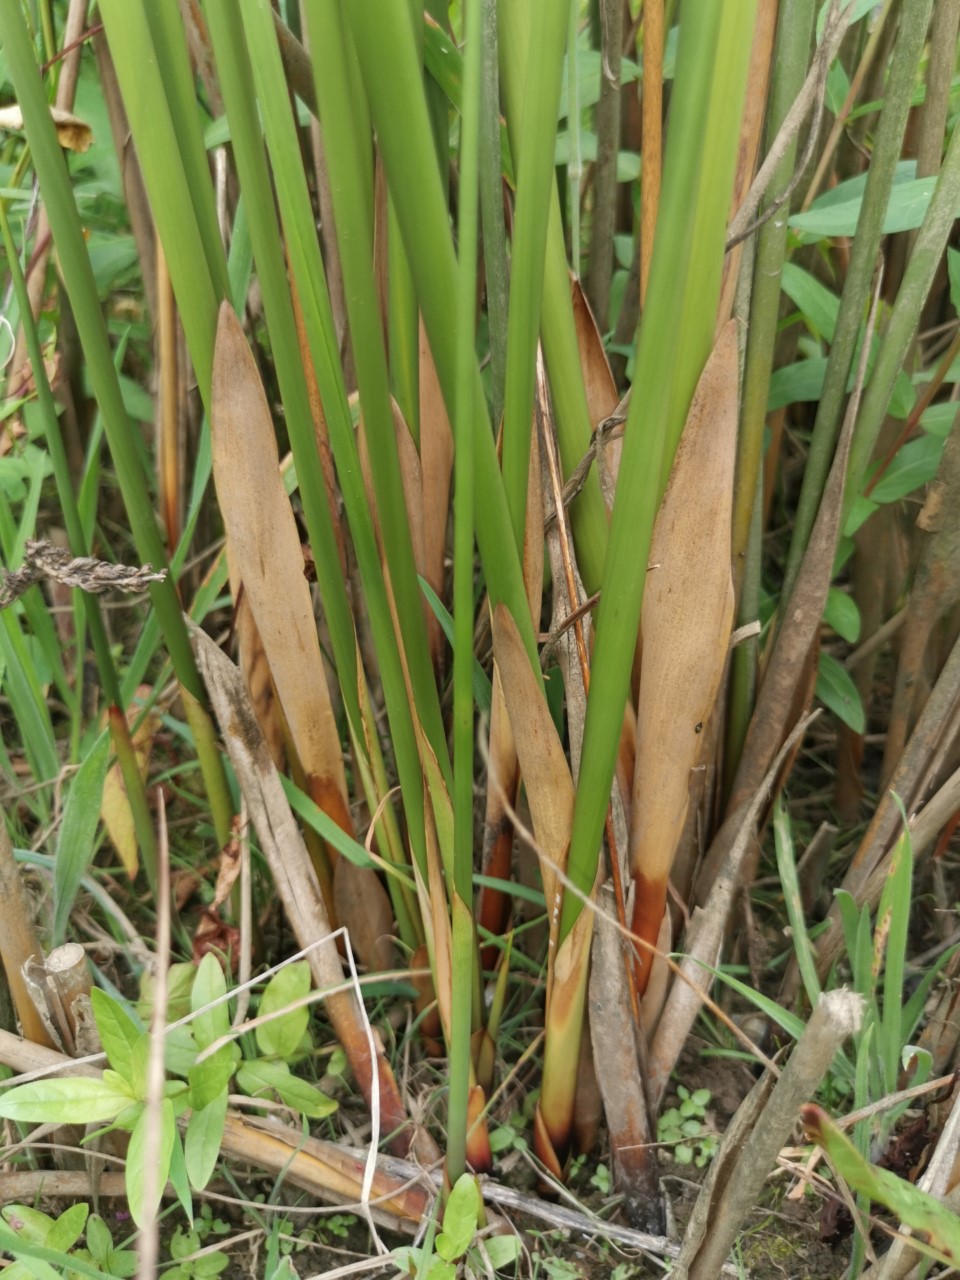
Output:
x,y
30,1224
74,1100
282,1035
35,1227
68,1228
211,1076
209,985
837,692
124,1042
588,68
953,270
180,1051
818,304
905,212
915,465
502,1251
305,1097
179,1094
917,1210
77,842
138,1157
460,1217
180,979
938,419
263,1076
841,613
179,1178
99,1238
442,1270
202,1143
803,381
861,509
628,162
119,1263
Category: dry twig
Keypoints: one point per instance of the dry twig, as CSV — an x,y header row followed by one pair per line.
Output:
x,y
41,559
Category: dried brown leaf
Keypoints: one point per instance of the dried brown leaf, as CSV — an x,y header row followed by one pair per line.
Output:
x,y
687,618
543,762
436,458
264,544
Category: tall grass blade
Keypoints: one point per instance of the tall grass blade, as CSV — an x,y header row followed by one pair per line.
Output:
x,y
81,287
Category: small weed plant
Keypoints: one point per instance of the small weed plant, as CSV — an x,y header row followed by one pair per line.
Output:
x,y
685,1128
458,1248
201,1059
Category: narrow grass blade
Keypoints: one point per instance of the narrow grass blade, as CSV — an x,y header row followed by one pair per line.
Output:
x,y
76,845
787,867
81,287
535,183
684,290
392,77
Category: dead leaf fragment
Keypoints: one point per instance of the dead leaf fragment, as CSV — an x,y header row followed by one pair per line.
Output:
x,y
72,132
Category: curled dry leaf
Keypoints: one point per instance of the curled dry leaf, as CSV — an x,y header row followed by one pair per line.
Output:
x,y
72,132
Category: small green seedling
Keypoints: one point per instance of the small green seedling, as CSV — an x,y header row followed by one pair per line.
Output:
x,y
600,1178
103,1254
31,1227
182,1246
457,1243
510,1136
118,1098
26,1230
684,1127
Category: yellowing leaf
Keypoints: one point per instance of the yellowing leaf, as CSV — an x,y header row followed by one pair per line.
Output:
x,y
115,806
72,132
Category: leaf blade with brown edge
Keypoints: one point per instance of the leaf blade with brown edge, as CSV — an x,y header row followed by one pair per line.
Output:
x,y
264,544
543,762
687,617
